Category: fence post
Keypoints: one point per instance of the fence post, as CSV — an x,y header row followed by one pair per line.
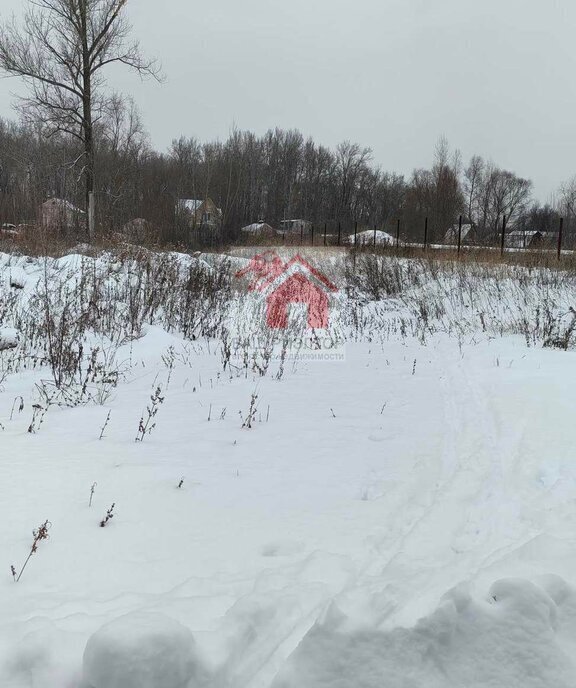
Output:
x,y
459,234
325,229
425,233
560,232
355,233
301,234
503,239
312,234
339,232
374,236
398,234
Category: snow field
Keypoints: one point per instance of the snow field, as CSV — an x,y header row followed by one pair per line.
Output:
x,y
404,518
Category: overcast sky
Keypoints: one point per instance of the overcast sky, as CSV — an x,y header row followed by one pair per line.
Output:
x,y
496,77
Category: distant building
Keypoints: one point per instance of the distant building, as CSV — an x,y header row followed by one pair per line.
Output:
x,y
296,226
57,214
519,238
468,235
259,228
200,214
369,237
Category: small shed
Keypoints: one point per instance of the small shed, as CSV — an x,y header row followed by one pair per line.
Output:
x,y
520,238
369,236
260,228
59,214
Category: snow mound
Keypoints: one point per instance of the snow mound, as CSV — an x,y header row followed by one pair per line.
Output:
x,y
8,338
142,651
522,636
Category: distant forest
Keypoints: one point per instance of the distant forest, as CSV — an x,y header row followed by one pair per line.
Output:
x,y
78,142
280,175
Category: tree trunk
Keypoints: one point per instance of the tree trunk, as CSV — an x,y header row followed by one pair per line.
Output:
x,y
89,153
87,122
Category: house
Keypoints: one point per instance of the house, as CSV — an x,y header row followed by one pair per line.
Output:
x,y
296,226
369,237
468,235
260,228
199,214
519,238
59,214
295,282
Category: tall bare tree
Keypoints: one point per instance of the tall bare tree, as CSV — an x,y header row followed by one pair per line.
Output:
x,y
61,51
473,177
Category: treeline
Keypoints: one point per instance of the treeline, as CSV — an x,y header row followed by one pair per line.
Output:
x,y
280,175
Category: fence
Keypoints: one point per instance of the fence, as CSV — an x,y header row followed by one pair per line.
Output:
x,y
396,235
458,239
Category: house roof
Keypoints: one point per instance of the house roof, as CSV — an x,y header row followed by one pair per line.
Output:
x,y
522,233
367,236
191,204
256,227
64,204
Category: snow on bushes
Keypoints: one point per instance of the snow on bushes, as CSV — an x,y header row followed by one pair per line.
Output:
x,y
8,338
142,651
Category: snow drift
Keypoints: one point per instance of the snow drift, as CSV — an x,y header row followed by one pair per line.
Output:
x,y
521,636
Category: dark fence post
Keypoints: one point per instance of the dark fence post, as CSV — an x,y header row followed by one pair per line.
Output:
x,y
301,234
560,232
339,232
374,236
459,234
355,233
503,239
312,234
425,233
398,234
325,229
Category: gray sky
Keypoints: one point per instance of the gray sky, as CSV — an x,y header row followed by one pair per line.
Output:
x,y
496,77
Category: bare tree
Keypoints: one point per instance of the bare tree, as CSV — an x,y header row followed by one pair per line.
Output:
x,y
448,198
352,163
435,194
507,195
473,176
61,51
567,198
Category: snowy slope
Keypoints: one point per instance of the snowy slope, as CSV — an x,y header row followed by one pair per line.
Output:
x,y
405,517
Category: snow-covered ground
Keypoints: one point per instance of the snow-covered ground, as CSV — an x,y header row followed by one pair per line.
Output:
x,y
405,517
